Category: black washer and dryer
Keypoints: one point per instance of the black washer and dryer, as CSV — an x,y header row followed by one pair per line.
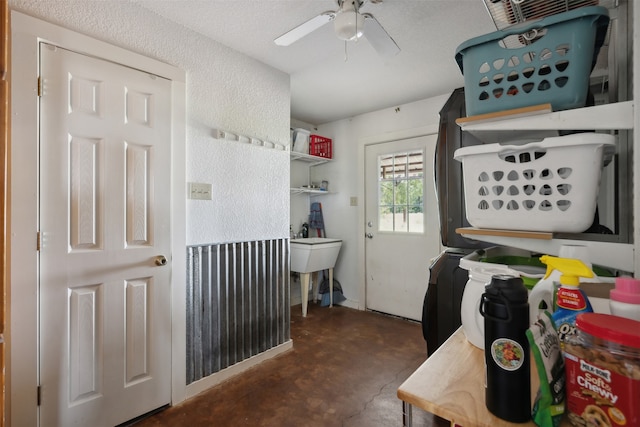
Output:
x,y
441,309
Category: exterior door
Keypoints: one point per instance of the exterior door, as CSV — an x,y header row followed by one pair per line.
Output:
x,y
402,229
105,318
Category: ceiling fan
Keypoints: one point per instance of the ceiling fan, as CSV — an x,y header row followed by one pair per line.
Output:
x,y
349,25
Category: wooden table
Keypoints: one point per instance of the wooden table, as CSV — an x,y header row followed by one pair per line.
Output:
x,y
451,385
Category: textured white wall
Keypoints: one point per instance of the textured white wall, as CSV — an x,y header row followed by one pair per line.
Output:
x,y
225,90
250,191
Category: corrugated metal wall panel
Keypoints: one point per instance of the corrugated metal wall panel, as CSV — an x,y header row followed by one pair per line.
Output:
x,y
237,303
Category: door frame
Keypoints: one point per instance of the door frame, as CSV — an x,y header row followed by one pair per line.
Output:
x,y
362,144
22,339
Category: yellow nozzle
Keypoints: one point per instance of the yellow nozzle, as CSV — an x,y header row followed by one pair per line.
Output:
x,y
570,269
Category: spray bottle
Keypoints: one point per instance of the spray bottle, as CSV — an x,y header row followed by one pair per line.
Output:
x,y
542,295
569,299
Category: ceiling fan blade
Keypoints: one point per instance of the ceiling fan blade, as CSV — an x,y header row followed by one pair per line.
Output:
x,y
305,28
378,37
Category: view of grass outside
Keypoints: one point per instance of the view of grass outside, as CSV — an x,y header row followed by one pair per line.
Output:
x,y
401,192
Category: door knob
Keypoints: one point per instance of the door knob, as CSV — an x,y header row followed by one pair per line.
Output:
x,y
161,260
369,236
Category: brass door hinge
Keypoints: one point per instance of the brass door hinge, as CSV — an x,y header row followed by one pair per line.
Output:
x,y
39,86
38,241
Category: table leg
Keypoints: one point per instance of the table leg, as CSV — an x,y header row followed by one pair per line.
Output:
x,y
331,287
304,292
407,418
315,285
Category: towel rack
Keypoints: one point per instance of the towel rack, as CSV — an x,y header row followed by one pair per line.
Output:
x,y
230,136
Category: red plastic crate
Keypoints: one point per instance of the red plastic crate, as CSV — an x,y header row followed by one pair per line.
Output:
x,y
320,146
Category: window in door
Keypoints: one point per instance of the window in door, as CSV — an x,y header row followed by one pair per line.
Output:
x,y
401,192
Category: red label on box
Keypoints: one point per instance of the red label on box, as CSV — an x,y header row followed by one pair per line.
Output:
x,y
598,394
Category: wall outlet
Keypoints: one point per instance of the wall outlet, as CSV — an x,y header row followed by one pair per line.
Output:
x,y
199,191
354,201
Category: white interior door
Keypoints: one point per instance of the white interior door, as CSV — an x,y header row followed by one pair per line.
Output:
x,y
105,319
402,227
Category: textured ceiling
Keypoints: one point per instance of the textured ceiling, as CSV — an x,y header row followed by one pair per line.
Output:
x,y
331,80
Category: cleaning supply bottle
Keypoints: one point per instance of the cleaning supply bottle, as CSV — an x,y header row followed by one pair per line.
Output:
x,y
624,300
569,299
506,347
542,295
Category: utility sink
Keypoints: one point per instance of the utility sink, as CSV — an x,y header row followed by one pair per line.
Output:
x,y
314,254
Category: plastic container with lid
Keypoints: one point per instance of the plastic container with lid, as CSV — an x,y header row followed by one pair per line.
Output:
x,y
482,266
602,365
625,298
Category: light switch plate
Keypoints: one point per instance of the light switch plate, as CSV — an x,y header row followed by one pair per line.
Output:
x,y
199,191
354,201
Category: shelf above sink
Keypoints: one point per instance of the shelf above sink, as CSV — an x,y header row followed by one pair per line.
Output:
x,y
304,190
314,160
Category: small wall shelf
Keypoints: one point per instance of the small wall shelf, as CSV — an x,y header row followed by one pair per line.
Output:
x,y
313,160
311,191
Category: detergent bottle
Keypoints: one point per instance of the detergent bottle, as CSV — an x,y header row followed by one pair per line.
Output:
x,y
624,299
569,299
542,296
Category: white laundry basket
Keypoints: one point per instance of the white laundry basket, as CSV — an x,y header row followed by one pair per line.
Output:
x,y
549,186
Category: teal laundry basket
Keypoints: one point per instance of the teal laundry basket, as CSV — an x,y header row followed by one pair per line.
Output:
x,y
538,62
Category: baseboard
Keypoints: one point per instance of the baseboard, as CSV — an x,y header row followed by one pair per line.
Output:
x,y
351,304
204,384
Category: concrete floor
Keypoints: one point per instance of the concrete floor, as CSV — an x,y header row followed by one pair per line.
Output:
x,y
344,370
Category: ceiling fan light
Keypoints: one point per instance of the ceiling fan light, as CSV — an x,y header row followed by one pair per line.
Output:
x,y
348,25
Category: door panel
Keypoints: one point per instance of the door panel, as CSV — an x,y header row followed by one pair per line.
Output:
x,y
401,224
105,318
